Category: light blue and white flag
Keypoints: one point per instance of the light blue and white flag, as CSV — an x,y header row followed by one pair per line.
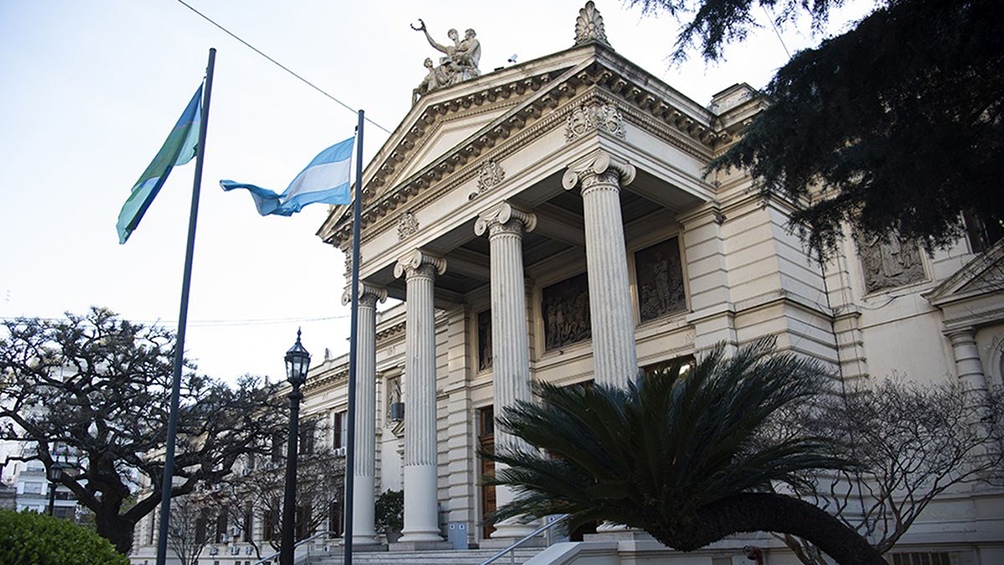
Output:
x,y
324,180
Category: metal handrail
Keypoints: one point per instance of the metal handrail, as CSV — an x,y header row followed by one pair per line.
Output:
x,y
296,545
512,548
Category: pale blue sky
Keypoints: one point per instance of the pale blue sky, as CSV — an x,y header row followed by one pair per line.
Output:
x,y
89,91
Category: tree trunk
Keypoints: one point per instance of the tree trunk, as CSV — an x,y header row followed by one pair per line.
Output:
x,y
768,512
116,529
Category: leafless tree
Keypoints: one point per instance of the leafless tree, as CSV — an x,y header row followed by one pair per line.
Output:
x,y
319,488
189,531
911,443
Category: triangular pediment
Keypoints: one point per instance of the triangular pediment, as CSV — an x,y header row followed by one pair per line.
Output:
x,y
446,133
983,275
448,121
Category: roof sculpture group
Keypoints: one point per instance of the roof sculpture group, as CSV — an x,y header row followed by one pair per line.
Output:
x,y
459,61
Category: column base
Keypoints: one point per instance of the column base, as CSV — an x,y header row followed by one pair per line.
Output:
x,y
363,540
512,530
375,547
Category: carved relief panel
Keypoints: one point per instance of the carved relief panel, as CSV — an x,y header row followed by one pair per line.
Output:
x,y
565,308
888,263
659,274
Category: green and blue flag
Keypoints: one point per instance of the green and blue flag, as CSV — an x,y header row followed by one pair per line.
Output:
x,y
178,149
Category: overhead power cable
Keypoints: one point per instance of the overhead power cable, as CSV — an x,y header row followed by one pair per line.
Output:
x,y
278,64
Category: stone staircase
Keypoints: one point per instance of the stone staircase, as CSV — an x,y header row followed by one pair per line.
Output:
x,y
445,557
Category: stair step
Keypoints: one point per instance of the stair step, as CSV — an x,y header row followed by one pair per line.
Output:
x,y
450,557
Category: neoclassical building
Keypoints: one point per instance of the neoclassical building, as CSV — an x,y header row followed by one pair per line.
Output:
x,y
553,221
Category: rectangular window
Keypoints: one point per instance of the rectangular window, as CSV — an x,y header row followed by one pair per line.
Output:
x,y
485,340
270,522
340,425
248,524
278,447
33,487
308,431
922,558
221,526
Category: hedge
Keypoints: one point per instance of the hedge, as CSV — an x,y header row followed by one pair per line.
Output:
x,y
27,538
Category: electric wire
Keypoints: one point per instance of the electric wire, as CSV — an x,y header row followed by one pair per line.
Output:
x,y
278,64
776,31
206,323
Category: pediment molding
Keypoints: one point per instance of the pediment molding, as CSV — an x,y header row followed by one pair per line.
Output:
x,y
982,275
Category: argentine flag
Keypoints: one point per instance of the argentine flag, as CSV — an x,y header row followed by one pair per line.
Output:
x,y
324,180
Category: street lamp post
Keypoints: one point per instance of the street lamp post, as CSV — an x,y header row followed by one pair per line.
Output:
x,y
297,363
54,474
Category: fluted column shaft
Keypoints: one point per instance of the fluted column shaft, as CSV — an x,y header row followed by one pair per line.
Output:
x,y
601,178
421,517
364,467
510,343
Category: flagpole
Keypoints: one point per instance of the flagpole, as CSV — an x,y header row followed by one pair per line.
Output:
x,y
350,456
179,352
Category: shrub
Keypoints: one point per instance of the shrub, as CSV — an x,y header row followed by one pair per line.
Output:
x,y
390,510
27,538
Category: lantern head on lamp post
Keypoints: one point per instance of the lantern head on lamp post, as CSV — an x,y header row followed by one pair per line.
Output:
x,y
54,474
297,363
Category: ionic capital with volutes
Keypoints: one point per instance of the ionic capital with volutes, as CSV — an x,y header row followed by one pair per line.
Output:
x,y
419,263
368,294
505,219
601,170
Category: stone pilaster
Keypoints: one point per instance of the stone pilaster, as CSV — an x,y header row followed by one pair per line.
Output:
x,y
505,226
364,467
600,178
421,515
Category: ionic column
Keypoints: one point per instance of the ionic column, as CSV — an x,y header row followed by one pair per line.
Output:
x,y
968,366
421,516
510,344
600,178
364,466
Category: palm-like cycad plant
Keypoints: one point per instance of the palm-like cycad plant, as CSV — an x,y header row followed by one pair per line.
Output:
x,y
681,455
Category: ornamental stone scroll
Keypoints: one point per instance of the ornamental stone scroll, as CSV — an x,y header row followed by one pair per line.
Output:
x,y
366,293
600,169
597,117
505,219
418,262
407,225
